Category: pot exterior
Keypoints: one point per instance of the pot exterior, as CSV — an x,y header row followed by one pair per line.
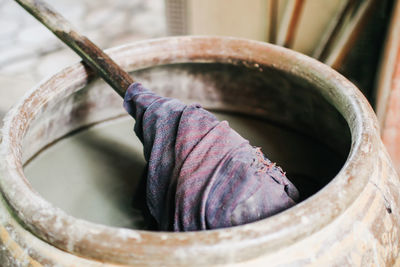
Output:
x,y
354,220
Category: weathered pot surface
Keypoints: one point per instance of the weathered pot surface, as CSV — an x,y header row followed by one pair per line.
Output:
x,y
353,219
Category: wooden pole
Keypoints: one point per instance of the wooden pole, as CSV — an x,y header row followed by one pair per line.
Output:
x,y
322,49
273,20
291,17
349,37
91,54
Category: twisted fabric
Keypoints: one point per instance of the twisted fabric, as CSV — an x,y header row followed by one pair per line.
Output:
x,y
201,174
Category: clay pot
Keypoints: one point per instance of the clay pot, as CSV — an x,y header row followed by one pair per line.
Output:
x,y
350,218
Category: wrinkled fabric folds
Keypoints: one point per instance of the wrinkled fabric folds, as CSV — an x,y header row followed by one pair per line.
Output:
x,y
201,174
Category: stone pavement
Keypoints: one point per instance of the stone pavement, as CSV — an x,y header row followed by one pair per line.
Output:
x,y
29,52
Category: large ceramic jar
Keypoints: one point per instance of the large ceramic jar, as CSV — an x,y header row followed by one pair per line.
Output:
x,y
351,217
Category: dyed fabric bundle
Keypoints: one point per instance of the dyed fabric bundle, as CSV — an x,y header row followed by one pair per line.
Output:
x,y
201,174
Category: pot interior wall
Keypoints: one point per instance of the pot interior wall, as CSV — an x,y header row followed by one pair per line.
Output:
x,y
92,172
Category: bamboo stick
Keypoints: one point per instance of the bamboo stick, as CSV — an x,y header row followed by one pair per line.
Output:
x,y
349,37
322,49
288,29
273,20
91,54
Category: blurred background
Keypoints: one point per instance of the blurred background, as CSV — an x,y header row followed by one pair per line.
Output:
x,y
346,34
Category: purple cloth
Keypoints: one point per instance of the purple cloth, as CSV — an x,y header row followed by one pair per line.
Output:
x,y
201,173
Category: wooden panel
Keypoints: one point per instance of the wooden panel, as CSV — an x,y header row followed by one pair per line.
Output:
x,y
239,18
388,91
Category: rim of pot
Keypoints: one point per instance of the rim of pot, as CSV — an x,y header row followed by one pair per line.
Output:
x,y
127,246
